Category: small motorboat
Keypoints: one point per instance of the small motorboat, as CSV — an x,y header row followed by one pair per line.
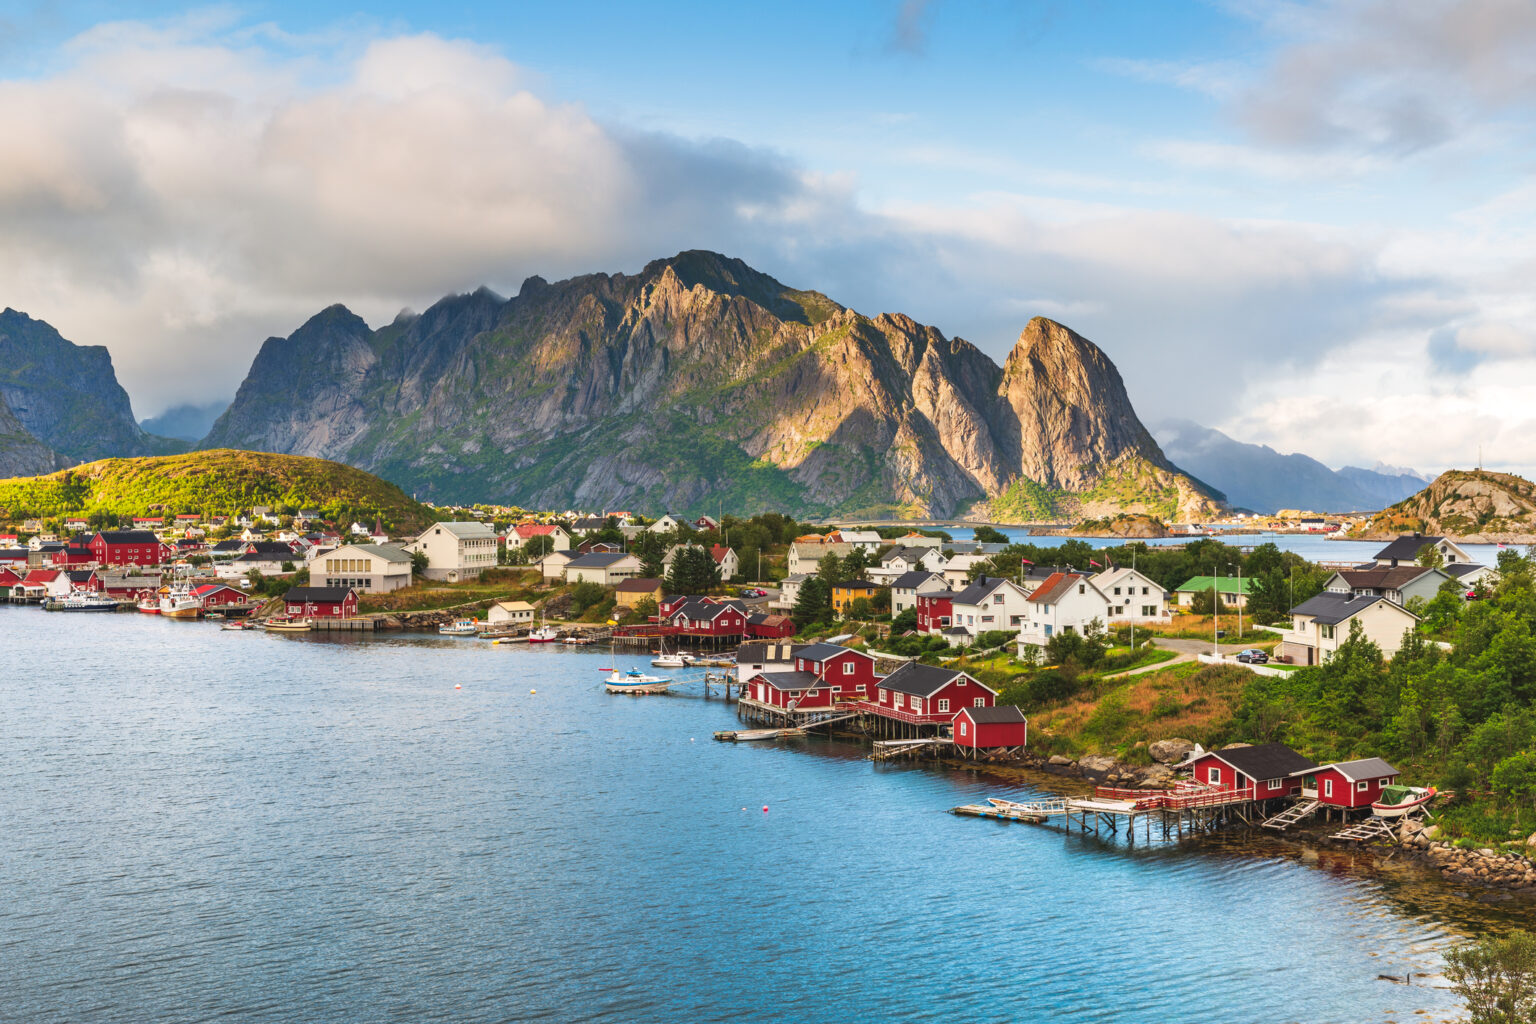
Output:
x,y
149,605
677,659
636,682
282,624
1397,801
544,635
460,627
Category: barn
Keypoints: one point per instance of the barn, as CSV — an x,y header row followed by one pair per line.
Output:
x,y
1272,769
1347,783
1001,727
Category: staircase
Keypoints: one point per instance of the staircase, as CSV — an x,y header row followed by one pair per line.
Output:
x,y
1371,828
1291,815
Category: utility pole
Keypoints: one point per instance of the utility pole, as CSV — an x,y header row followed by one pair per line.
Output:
x,y
1215,613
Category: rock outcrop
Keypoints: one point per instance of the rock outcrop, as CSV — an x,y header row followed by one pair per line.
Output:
x,y
700,382
67,396
1476,506
21,454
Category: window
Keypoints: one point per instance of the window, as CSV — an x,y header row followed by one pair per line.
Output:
x,y
1082,588
847,668
1327,632
979,702
960,681
1274,783
1213,776
962,721
997,598
882,696
1117,591
943,706
1362,786
811,693
1327,787
1144,591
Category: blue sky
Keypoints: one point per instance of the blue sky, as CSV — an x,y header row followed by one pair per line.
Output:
x,y
1308,224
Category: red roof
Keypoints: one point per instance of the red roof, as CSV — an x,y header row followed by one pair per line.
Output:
x,y
718,553
209,588
41,576
1055,585
526,530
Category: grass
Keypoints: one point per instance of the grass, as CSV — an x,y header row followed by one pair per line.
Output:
x,y
1189,700
430,595
1200,627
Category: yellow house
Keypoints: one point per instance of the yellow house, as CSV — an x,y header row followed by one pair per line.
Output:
x,y
844,594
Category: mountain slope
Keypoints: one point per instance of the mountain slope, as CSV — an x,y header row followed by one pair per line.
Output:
x,y
67,395
700,382
21,454
1473,505
189,423
220,482
1257,477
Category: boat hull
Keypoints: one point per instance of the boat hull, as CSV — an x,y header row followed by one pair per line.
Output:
x,y
1403,809
640,690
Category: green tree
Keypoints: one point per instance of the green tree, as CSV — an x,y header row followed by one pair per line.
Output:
x,y
1430,557
990,535
860,608
814,602
1204,601
832,570
650,548
535,548
584,595
693,572
1497,978
905,622
418,562
1514,778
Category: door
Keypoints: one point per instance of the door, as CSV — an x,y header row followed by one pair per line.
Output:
x,y
1309,787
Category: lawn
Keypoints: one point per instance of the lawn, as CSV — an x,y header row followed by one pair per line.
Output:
x,y
430,595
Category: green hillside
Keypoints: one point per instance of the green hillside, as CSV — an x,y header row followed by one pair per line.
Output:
x,y
219,482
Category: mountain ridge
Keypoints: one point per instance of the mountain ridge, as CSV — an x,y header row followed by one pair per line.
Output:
x,y
1476,506
701,381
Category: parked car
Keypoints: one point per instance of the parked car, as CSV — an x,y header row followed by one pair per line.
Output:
x,y
1253,656
754,592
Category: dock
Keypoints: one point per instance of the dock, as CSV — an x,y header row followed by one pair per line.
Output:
x,y
1115,811
751,735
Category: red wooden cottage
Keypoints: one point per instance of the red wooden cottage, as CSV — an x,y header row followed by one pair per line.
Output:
x,y
9,578
847,673
792,691
217,596
770,627
703,619
1002,726
1347,783
75,554
128,547
36,583
84,581
321,602
1270,769
928,695
934,611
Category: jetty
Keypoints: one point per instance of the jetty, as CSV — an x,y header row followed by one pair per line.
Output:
x,y
1174,812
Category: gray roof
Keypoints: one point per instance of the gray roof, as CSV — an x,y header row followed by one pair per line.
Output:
x,y
766,651
1266,761
463,531
388,552
999,713
1460,569
915,578
910,554
821,652
1331,607
596,560
1407,546
918,680
792,680
1356,771
978,591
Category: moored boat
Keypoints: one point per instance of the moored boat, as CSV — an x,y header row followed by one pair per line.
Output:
x,y
282,624
676,659
1397,801
180,603
636,682
149,605
79,602
460,627
544,635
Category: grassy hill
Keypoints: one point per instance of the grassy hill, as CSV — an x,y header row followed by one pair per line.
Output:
x,y
1473,505
219,482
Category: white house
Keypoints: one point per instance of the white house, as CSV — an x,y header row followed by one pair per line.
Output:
x,y
1321,623
867,541
1405,550
1472,575
552,566
1399,584
906,587
666,524
371,568
1064,603
1133,596
789,590
957,569
605,567
904,559
456,551
804,556
992,602
510,613
519,536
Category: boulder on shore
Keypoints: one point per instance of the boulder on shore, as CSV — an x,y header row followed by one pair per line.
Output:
x,y
1059,761
1170,751
1097,765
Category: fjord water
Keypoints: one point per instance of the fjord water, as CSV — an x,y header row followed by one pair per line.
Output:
x,y
199,824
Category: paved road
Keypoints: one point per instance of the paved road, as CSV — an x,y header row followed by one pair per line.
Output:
x,y
1186,651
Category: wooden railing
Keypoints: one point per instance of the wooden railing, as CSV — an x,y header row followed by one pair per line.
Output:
x,y
1176,800
910,717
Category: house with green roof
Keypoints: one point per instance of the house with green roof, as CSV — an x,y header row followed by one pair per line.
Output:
x,y
1234,592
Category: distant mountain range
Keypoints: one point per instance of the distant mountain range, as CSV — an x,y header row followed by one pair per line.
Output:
x,y
700,383
189,423
1256,477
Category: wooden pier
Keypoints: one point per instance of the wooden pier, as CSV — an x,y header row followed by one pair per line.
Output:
x,y
1110,811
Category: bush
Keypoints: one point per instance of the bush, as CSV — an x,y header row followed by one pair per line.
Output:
x,y
906,622
584,595
995,638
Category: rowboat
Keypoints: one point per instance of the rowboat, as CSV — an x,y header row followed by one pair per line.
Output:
x,y
1397,801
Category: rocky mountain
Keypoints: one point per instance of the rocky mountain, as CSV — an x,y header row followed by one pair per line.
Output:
x,y
700,382
188,423
1477,506
1256,477
66,395
21,454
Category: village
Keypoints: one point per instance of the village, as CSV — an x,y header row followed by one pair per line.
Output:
x,y
940,606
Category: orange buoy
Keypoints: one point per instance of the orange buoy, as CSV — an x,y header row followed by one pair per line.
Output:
x,y
457,686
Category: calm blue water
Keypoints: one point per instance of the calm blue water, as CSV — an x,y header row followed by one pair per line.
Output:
x,y
201,825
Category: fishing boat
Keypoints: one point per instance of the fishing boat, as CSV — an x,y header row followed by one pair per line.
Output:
x,y
180,603
1397,801
283,624
636,682
460,627
544,635
149,604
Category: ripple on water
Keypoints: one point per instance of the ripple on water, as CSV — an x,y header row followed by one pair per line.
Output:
x,y
203,824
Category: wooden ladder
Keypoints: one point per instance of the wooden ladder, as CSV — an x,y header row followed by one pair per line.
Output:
x,y
1291,815
1371,828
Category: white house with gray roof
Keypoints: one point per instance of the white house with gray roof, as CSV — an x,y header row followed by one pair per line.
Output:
x,y
1322,623
366,568
456,551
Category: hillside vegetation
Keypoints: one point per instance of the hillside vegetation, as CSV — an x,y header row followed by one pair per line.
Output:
x,y
218,482
1475,505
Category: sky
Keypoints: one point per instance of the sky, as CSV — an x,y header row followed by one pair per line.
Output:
x,y
1310,225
